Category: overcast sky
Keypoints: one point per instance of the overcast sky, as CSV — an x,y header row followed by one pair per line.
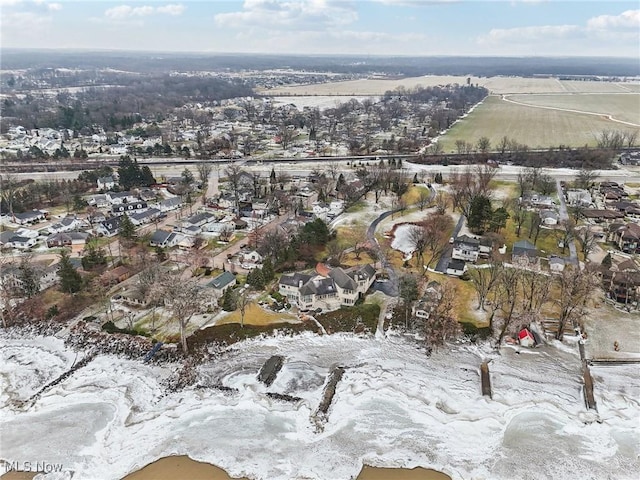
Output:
x,y
376,27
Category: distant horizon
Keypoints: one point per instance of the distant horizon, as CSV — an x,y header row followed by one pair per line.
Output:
x,y
291,54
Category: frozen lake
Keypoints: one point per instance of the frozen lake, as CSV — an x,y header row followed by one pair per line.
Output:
x,y
394,407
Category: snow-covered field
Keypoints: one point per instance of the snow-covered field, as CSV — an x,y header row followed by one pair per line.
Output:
x,y
394,407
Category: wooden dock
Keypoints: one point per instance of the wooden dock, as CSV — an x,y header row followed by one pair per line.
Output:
x,y
485,379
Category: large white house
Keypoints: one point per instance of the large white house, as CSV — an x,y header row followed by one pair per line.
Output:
x,y
466,248
327,292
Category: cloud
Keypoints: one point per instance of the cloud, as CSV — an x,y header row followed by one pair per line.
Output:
x,y
628,19
172,9
27,14
625,26
291,14
528,34
415,3
124,12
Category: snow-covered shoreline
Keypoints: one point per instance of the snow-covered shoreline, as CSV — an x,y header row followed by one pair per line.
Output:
x,y
395,407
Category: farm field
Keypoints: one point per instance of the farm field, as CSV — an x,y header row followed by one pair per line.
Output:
x,y
624,107
497,85
535,127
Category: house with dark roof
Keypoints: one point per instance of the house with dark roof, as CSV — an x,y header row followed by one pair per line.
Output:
x,y
621,280
162,239
327,292
222,282
116,198
65,239
626,237
106,183
465,248
128,208
32,216
456,267
110,227
423,307
170,204
524,248
146,216
67,224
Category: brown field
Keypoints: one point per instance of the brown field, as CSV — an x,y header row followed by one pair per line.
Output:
x,y
497,85
624,107
535,127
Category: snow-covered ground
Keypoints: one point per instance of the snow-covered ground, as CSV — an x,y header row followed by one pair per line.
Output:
x,y
394,407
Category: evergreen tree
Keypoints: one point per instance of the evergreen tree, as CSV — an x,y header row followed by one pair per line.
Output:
x,y
70,279
228,301
94,256
146,177
480,213
267,270
127,228
29,278
255,278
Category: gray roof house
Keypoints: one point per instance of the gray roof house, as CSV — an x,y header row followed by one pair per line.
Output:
x,y
222,282
327,292
524,248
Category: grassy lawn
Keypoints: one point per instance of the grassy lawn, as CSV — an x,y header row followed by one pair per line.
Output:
x,y
256,315
413,194
547,240
357,207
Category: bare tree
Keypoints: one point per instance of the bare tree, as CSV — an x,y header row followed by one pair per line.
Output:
x,y
630,137
587,240
519,217
585,178
535,288
8,189
566,233
484,279
442,324
233,174
424,197
484,145
442,202
508,292
183,299
573,288
242,302
204,172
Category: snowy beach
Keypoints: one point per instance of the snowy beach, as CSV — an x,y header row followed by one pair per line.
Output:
x,y
394,407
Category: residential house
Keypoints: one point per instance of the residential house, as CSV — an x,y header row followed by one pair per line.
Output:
x,y
170,204
106,183
163,239
251,260
147,195
196,222
538,200
99,201
132,296
630,209
630,158
621,280
222,282
67,224
578,197
116,198
128,208
327,292
485,247
33,216
69,239
23,243
147,216
423,307
556,264
626,237
456,267
549,217
466,248
601,215
110,227
524,248
115,276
